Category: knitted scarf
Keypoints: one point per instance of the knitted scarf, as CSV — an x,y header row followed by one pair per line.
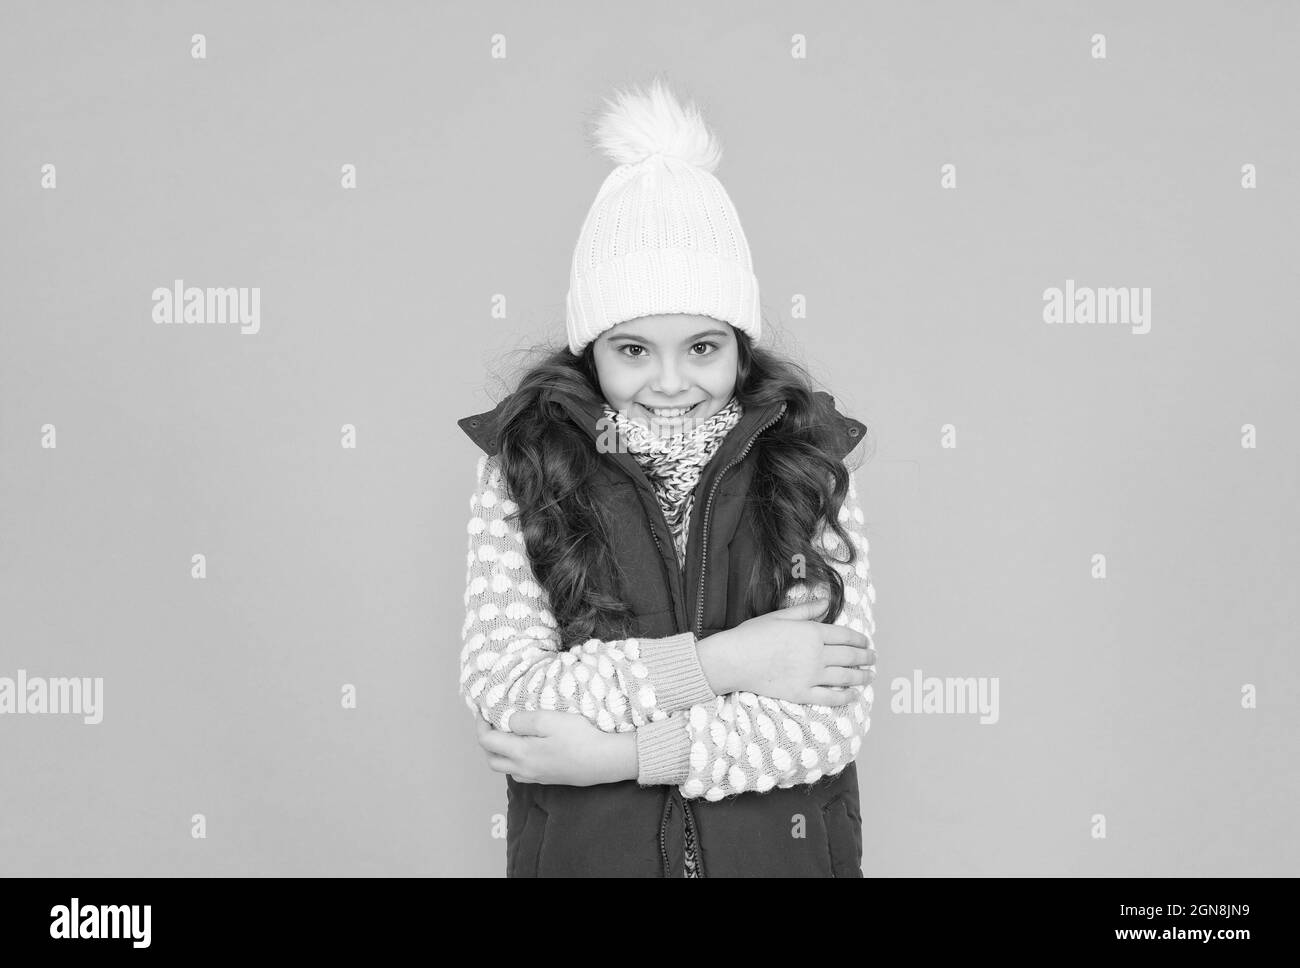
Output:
x,y
673,463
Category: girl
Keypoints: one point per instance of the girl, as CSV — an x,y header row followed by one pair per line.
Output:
x,y
667,638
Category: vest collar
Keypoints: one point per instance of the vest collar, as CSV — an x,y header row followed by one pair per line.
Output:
x,y
591,417
483,429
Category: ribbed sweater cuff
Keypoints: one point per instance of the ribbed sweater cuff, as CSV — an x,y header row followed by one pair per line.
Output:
x,y
674,665
663,751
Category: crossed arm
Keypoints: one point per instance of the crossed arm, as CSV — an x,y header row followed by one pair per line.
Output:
x,y
685,734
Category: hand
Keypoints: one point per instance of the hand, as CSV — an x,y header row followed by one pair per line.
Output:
x,y
788,654
544,746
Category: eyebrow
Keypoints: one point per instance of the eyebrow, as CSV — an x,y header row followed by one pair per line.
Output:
x,y
692,339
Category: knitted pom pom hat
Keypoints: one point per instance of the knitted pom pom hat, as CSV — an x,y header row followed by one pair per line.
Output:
x,y
662,235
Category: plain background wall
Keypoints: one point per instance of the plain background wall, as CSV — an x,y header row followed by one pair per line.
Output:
x,y
327,565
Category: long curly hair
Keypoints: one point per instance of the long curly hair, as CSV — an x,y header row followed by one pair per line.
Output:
x,y
548,461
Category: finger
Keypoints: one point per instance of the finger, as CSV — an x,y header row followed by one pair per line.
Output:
x,y
843,635
813,608
501,764
848,655
840,676
832,695
523,723
544,722
855,676
500,743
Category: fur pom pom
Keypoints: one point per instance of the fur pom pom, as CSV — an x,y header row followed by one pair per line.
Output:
x,y
639,124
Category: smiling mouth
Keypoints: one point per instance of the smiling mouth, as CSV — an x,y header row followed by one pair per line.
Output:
x,y
669,411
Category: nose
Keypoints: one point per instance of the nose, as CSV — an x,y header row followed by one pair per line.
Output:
x,y
670,379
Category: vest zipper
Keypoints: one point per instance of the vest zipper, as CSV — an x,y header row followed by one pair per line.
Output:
x,y
654,533
688,815
695,838
708,506
699,605
663,832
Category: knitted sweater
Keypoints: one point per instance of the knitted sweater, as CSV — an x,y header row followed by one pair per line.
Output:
x,y
709,745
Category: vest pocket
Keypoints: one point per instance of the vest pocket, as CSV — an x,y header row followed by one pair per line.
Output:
x,y
527,856
843,837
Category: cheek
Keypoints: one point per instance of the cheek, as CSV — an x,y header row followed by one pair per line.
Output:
x,y
618,382
722,380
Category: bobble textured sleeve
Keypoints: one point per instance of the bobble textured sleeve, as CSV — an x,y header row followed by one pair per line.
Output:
x,y
513,658
743,741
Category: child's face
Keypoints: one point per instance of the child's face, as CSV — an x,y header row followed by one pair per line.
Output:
x,y
670,361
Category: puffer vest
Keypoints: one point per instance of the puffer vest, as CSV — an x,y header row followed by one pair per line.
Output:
x,y
624,829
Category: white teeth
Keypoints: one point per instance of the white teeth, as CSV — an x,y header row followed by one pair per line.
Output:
x,y
674,412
